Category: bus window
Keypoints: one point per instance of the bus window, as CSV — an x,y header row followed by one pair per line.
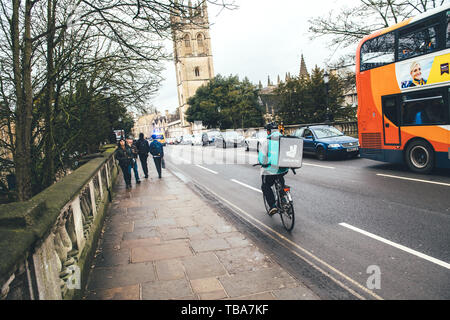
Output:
x,y
448,29
378,51
424,108
417,42
390,109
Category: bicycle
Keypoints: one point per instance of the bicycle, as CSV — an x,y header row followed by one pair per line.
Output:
x,y
283,201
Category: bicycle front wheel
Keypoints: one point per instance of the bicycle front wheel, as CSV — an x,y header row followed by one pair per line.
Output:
x,y
287,214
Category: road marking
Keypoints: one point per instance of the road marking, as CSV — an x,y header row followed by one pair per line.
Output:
x,y
247,217
246,185
197,165
412,179
374,295
398,246
318,165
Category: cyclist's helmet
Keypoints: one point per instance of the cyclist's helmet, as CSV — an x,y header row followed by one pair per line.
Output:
x,y
271,126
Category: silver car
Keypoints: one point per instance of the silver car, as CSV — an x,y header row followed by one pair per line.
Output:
x,y
197,139
229,139
255,140
187,139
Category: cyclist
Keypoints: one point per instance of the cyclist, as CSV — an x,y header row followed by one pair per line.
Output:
x,y
268,149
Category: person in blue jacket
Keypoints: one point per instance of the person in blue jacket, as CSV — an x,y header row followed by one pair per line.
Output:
x,y
157,151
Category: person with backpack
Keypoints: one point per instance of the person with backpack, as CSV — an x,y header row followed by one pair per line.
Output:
x,y
156,149
143,150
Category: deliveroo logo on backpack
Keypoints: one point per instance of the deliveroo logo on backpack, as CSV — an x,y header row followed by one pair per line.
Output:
x,y
292,151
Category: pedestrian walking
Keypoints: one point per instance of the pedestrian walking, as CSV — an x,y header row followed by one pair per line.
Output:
x,y
156,149
124,155
134,151
143,150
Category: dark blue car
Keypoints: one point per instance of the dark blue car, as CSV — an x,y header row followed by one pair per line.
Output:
x,y
327,142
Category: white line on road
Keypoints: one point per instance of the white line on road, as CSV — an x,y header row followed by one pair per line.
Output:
x,y
417,180
246,185
278,237
398,246
318,165
197,165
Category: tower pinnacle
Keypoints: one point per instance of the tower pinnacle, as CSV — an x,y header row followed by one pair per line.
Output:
x,y
303,70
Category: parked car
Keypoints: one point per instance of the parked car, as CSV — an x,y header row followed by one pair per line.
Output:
x,y
229,139
209,137
326,141
187,139
178,139
170,140
197,139
255,140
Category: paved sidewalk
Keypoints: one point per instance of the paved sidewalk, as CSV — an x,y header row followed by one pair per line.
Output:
x,y
162,241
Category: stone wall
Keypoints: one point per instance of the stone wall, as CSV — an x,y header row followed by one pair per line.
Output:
x,y
47,243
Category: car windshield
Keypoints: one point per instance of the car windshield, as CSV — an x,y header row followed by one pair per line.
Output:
x,y
327,132
232,134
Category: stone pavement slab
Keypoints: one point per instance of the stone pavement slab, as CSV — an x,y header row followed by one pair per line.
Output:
x,y
121,293
160,252
122,276
163,241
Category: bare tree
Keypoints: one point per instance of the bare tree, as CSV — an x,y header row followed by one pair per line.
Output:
x,y
350,24
47,46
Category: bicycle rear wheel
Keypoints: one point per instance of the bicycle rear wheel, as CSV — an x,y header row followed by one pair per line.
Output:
x,y
287,214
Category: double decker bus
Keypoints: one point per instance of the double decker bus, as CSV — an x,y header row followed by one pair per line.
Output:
x,y
403,86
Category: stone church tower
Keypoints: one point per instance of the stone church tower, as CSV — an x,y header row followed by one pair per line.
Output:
x,y
192,54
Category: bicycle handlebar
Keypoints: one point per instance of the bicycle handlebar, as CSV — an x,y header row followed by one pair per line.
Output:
x,y
259,164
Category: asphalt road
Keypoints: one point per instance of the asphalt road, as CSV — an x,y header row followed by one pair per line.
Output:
x,y
355,219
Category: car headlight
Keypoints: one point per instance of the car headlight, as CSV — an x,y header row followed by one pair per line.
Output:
x,y
334,146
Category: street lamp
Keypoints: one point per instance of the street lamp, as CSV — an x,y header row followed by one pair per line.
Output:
x,y
326,79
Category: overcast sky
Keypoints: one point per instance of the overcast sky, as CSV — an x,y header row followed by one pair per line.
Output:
x,y
261,38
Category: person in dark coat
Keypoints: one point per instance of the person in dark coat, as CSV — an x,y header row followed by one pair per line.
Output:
x,y
132,145
157,151
143,150
124,155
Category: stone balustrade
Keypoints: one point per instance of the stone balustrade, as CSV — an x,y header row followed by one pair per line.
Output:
x,y
48,242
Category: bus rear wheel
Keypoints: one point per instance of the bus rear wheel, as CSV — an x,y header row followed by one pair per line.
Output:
x,y
420,157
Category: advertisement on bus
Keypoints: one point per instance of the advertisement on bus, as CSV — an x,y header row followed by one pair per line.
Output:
x,y
423,71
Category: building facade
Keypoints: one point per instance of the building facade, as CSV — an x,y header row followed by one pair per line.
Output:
x,y
192,56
